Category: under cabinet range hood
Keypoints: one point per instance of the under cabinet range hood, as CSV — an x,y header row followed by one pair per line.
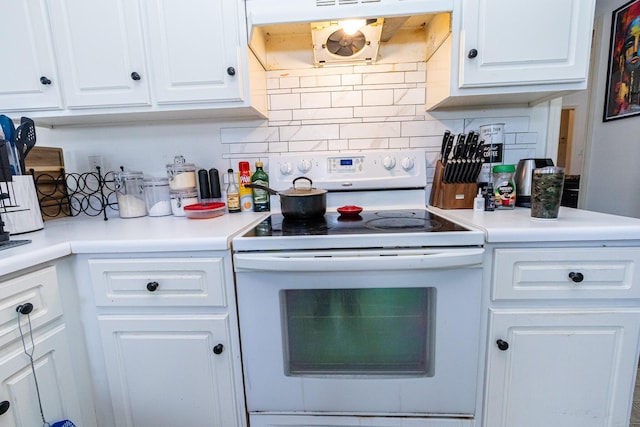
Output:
x,y
315,32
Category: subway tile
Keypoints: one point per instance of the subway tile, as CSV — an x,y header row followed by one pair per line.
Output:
x,y
280,115
426,128
319,81
346,99
315,100
415,77
338,144
310,132
273,83
434,142
377,97
351,79
323,113
248,148
526,138
278,147
329,121
382,78
396,143
380,119
311,145
285,123
370,130
257,134
409,96
368,143
285,102
386,112
289,82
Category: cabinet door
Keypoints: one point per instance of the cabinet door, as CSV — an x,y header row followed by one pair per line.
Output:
x,y
28,79
507,42
54,371
194,50
170,371
561,368
100,52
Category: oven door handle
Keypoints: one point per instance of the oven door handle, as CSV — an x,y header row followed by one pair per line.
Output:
x,y
457,258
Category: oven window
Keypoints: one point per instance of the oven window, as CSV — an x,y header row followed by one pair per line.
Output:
x,y
372,331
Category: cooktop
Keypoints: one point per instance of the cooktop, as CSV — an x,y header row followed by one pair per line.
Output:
x,y
374,222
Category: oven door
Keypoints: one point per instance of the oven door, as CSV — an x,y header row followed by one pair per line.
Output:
x,y
360,332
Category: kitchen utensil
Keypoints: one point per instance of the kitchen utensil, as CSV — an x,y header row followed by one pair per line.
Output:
x,y
204,210
299,203
445,138
9,130
25,140
26,309
214,184
349,210
522,178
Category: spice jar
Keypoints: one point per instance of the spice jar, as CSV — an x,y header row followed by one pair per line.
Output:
x,y
504,187
181,175
130,194
182,198
157,196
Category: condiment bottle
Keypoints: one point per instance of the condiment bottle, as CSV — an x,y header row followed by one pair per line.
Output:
x,y
233,195
260,197
130,194
504,187
246,194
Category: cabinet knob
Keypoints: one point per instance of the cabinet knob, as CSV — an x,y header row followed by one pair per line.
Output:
x,y
472,53
25,308
231,71
576,277
45,81
4,406
218,349
502,345
135,76
152,286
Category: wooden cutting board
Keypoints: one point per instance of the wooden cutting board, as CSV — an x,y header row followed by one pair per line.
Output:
x,y
47,164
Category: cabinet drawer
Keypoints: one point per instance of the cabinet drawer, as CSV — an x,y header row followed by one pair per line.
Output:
x,y
564,273
39,288
158,282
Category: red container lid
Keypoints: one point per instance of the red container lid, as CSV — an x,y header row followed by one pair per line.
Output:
x,y
244,166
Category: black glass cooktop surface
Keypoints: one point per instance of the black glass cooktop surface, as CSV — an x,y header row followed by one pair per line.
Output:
x,y
374,222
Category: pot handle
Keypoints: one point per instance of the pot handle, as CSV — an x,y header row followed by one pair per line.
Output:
x,y
262,187
302,177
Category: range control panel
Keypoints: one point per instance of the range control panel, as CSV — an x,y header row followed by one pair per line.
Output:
x,y
369,170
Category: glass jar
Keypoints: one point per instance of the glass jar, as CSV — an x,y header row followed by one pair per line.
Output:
x,y
130,194
157,196
182,198
504,187
181,175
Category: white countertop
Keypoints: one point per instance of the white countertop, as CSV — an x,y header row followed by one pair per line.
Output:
x,y
507,226
85,234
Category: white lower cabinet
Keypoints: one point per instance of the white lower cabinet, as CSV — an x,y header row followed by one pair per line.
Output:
x,y
561,368
169,371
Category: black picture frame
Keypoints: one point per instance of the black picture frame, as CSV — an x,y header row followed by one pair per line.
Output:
x,y
622,98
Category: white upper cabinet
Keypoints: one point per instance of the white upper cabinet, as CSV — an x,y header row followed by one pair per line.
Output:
x,y
28,77
194,55
510,52
508,42
100,52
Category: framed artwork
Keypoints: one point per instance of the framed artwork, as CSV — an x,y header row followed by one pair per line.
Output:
x,y
623,75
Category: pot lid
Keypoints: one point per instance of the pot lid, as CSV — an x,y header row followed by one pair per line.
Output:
x,y
302,186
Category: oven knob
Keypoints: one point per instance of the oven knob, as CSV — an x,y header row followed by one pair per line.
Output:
x,y
286,168
304,166
389,162
407,163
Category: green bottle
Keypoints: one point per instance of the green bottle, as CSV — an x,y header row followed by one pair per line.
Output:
x,y
260,197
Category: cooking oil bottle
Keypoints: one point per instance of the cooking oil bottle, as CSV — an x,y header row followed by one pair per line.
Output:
x,y
246,194
260,197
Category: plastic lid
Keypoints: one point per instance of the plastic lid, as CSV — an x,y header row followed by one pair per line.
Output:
x,y
259,164
189,192
504,168
244,166
151,181
179,164
205,206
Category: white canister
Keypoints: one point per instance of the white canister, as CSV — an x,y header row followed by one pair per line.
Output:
x,y
157,196
130,194
181,175
182,198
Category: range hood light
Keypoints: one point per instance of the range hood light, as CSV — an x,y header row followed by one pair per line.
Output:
x,y
352,26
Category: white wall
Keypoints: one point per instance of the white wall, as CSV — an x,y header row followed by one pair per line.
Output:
x,y
612,171
367,107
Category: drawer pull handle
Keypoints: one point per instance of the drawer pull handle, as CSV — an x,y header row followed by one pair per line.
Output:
x,y
135,76
576,277
25,308
4,406
231,71
502,345
152,286
472,53
218,349
45,81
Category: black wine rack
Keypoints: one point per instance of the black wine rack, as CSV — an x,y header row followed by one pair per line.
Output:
x,y
72,194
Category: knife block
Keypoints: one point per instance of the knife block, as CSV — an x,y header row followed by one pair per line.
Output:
x,y
451,195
